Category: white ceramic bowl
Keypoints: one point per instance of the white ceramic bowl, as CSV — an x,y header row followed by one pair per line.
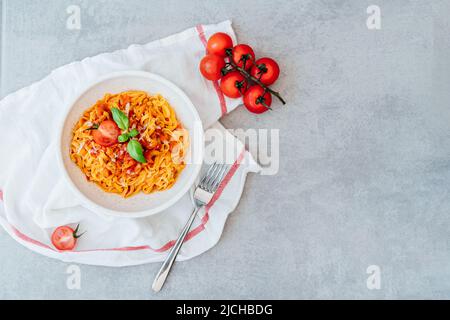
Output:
x,y
140,205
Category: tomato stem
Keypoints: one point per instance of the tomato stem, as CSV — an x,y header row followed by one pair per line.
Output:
x,y
75,233
261,100
266,106
255,80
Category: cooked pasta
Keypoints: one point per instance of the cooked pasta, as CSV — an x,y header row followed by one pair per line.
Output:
x,y
162,137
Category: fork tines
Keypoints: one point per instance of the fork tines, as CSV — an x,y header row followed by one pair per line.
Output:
x,y
215,174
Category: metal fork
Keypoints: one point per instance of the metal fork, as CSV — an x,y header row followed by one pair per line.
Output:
x,y
202,195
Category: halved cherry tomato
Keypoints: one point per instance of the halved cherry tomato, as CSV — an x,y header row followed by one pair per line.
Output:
x,y
256,100
243,56
266,70
218,43
107,133
211,66
65,238
233,84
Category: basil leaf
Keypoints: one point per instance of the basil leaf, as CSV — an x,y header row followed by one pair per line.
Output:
x,y
123,137
136,151
133,133
120,118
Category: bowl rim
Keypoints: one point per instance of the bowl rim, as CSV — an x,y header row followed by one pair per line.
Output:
x,y
95,207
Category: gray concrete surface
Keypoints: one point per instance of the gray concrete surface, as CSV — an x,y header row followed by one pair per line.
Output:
x,y
365,148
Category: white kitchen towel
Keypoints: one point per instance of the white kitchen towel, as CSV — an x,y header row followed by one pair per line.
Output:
x,y
36,198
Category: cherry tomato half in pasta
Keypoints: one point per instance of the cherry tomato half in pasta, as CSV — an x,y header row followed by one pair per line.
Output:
x,y
256,100
218,43
243,56
211,66
107,133
65,238
233,84
266,70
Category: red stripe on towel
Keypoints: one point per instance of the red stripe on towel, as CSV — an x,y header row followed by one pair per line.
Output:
x,y
223,104
28,239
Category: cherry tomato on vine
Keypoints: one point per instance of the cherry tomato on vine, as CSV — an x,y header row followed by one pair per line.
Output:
x,y
243,56
233,84
65,238
106,134
266,70
256,100
218,43
211,66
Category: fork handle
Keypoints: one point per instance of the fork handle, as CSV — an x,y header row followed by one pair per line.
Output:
x,y
167,265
